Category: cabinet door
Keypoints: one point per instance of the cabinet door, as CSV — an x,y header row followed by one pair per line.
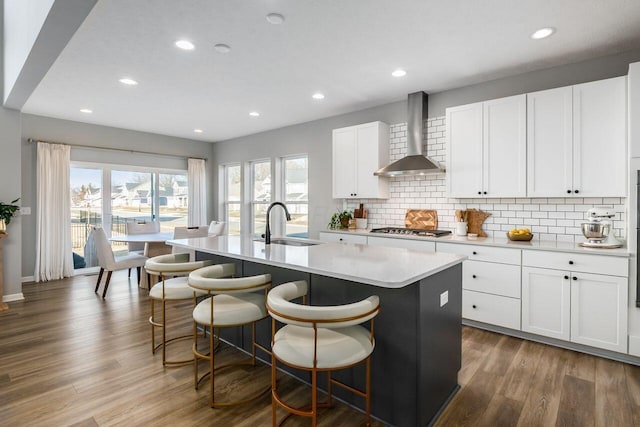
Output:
x,y
344,160
342,238
464,150
546,301
600,138
393,242
367,137
599,311
549,143
505,147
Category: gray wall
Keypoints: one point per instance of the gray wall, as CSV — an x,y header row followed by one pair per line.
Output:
x,y
10,183
55,130
314,137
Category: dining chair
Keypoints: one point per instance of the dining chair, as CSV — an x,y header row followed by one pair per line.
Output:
x,y
189,233
232,302
319,339
216,228
140,227
110,263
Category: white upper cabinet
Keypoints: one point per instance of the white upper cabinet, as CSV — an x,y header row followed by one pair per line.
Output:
x,y
600,138
576,139
359,151
464,150
486,146
549,143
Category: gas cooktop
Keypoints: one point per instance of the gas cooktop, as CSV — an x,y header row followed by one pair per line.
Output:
x,y
411,231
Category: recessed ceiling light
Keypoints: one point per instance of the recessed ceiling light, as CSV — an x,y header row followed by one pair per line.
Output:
x,y
275,18
86,111
254,114
197,130
185,44
222,48
543,33
399,73
128,81
317,95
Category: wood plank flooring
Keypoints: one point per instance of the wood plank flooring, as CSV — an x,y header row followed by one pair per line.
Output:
x,y
69,358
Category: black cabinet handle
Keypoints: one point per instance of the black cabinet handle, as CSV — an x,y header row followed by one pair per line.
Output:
x,y
474,306
474,276
576,191
566,277
355,194
479,192
568,191
571,262
484,192
341,239
575,278
475,253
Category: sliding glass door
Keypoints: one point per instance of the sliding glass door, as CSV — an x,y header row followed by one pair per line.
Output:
x,y
111,196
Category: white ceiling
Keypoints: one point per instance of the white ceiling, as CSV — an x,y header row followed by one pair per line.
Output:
x,y
346,49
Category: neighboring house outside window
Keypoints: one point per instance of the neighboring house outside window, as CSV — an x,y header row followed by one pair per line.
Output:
x,y
232,197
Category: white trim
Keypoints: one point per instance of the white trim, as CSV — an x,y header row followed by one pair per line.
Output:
x,y
27,279
634,345
13,297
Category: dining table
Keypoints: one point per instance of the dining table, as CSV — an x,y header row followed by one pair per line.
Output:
x,y
154,245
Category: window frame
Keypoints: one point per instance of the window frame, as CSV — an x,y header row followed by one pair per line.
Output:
x,y
283,186
223,189
251,191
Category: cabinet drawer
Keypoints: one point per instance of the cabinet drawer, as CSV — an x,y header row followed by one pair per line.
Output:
x,y
343,237
401,243
482,253
492,309
491,278
614,266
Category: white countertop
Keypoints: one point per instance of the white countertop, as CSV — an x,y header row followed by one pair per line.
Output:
x,y
373,265
535,244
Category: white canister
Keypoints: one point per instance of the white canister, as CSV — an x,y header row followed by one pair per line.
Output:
x,y
361,222
461,229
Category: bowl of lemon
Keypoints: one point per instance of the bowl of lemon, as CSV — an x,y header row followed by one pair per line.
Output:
x,y
520,234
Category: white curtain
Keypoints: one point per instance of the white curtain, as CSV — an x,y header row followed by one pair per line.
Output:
x,y
54,259
197,193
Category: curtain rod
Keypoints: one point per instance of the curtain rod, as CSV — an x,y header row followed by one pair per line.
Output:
x,y
33,141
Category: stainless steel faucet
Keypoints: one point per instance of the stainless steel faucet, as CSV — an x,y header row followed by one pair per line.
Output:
x,y
267,231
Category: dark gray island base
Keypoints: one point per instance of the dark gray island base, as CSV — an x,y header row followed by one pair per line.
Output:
x,y
417,356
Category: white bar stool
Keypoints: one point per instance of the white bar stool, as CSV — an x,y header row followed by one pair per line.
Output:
x,y
233,302
174,289
319,339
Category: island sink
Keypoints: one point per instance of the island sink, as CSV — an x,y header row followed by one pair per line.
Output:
x,y
290,242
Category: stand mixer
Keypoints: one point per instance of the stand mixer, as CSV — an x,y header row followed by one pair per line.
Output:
x,y
599,229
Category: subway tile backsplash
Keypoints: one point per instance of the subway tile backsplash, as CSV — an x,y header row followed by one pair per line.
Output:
x,y
548,218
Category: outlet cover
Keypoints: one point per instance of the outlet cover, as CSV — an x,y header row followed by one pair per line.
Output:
x,y
25,210
444,298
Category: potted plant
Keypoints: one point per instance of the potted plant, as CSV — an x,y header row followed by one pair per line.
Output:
x,y
340,219
7,211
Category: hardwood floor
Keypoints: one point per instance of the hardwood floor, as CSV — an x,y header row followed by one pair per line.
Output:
x,y
69,358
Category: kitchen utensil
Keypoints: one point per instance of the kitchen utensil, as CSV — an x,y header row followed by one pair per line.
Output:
x,y
424,219
474,219
461,228
598,230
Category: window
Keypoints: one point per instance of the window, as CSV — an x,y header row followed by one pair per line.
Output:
x,y
296,194
232,197
261,194
110,197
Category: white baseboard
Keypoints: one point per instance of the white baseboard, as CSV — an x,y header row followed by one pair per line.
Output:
x,y
28,279
634,345
13,297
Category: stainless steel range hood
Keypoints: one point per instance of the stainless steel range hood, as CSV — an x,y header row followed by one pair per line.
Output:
x,y
414,163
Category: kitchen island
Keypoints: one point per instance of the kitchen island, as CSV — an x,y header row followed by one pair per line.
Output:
x,y
418,331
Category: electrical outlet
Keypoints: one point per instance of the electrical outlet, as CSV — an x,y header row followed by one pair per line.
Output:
x,y
25,210
444,298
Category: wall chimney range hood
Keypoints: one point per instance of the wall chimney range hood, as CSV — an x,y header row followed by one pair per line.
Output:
x,y
414,163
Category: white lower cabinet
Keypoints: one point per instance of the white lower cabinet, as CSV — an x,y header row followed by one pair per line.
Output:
x,y
391,242
546,302
492,309
576,306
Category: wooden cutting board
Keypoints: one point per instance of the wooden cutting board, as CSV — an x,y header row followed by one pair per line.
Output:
x,y
423,219
475,218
